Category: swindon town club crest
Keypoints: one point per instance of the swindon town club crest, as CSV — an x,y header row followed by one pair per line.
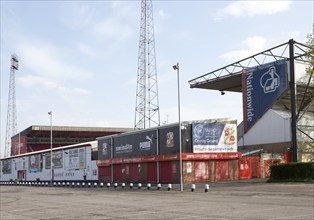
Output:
x,y
104,149
170,139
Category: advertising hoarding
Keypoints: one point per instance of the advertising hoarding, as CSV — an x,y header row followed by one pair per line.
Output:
x,y
136,144
57,159
104,149
6,166
47,160
169,140
212,137
261,87
35,163
75,158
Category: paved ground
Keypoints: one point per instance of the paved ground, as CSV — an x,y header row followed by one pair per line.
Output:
x,y
238,200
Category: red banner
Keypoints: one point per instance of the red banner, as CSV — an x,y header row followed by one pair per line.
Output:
x,y
169,157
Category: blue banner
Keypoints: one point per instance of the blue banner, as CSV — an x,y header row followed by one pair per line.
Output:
x,y
210,137
262,86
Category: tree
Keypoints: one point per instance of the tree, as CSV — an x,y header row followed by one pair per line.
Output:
x,y
310,55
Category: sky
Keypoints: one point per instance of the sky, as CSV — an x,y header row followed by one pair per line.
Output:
x,y
79,59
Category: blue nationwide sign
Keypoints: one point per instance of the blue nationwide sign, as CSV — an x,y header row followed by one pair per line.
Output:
x,y
261,87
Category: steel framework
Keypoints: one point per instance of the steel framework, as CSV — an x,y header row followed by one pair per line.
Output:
x,y
11,127
147,103
298,100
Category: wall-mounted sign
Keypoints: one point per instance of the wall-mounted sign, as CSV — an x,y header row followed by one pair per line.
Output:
x,y
212,137
261,87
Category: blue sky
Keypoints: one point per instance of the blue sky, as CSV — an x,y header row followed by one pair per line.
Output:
x,y
79,58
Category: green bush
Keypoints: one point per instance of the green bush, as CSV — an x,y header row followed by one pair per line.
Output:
x,y
298,172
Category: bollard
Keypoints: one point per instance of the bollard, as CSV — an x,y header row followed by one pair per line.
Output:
x,y
73,184
68,184
54,183
83,184
89,184
108,185
131,185
78,184
192,187
47,183
139,186
95,184
101,184
206,187
169,186
63,184
115,185
149,185
158,186
123,185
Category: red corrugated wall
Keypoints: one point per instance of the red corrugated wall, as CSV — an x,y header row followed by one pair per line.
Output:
x,y
165,172
222,170
152,172
117,172
202,171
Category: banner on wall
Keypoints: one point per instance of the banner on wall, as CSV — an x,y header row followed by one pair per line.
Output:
x,y
74,158
104,149
211,138
47,160
136,144
57,159
82,158
6,166
261,87
34,163
169,140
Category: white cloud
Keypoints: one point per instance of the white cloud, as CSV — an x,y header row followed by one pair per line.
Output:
x,y
182,35
32,81
250,46
79,16
45,59
162,14
118,24
85,49
253,8
39,83
114,29
294,34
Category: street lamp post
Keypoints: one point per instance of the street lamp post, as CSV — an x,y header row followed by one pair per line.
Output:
x,y
176,67
51,177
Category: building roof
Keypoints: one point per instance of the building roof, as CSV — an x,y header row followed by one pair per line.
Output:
x,y
72,129
38,137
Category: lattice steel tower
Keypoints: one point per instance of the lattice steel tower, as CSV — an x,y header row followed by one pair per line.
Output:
x,y
11,128
147,103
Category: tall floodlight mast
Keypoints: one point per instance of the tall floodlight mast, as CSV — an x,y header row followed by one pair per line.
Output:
x,y
11,128
147,103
